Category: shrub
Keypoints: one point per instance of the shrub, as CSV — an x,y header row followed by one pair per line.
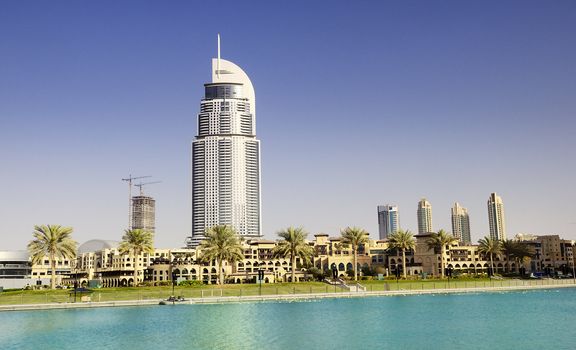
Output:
x,y
316,273
191,283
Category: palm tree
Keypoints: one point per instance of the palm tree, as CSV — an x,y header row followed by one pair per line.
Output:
x,y
509,247
221,244
438,241
403,240
490,246
136,242
354,237
293,245
55,242
522,253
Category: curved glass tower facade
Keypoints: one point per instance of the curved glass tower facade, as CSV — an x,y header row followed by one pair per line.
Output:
x,y
226,156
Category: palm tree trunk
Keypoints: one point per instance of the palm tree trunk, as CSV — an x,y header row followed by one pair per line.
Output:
x,y
135,283
492,263
442,262
355,265
404,262
293,267
221,277
53,271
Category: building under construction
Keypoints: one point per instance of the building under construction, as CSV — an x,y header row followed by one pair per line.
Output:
x,y
144,213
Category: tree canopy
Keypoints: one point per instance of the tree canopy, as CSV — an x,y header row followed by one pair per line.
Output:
x,y
54,242
221,245
293,245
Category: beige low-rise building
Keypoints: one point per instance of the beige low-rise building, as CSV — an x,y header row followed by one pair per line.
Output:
x,y
101,261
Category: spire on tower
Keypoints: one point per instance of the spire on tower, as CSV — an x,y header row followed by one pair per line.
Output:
x,y
218,66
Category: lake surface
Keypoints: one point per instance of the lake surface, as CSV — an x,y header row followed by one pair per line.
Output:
x,y
543,319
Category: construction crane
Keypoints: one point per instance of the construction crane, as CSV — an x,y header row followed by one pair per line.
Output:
x,y
140,185
129,180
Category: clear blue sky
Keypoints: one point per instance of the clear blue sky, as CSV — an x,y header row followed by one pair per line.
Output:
x,y
359,104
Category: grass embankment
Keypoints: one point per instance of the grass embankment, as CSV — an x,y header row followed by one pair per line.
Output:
x,y
156,293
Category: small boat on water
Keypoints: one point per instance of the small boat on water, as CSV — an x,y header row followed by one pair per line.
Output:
x,y
172,299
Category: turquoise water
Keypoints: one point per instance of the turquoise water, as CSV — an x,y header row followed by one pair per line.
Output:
x,y
511,320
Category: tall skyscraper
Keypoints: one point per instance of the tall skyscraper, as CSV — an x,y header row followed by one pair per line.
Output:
x,y
388,220
144,213
424,216
226,155
496,217
461,224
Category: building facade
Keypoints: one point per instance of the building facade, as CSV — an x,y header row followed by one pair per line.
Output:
x,y
226,156
388,220
424,214
496,217
461,224
144,213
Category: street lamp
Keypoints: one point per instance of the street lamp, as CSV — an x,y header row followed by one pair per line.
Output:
x,y
260,279
174,279
398,272
449,270
75,283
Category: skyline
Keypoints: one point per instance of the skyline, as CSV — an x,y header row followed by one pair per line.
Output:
x,y
358,105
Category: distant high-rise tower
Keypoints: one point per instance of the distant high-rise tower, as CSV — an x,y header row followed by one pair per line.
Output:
x,y
144,213
388,220
496,217
461,224
226,155
424,216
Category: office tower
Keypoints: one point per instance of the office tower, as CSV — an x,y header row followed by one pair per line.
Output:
x,y
461,224
424,216
496,217
226,155
388,220
144,213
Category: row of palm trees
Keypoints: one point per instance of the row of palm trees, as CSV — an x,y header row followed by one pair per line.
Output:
x,y
441,240
404,241
56,243
513,250
223,245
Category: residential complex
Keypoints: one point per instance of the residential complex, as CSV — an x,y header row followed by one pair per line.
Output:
x,y
388,220
100,262
226,156
424,213
461,224
552,255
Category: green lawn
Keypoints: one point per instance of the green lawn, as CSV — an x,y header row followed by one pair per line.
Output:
x,y
157,293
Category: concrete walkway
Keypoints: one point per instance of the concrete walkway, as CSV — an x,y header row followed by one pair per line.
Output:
x,y
276,297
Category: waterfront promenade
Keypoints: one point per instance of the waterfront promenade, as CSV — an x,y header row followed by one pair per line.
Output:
x,y
217,296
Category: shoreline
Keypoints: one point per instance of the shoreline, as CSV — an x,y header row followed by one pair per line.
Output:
x,y
275,297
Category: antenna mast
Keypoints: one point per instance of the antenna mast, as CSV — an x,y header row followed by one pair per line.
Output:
x,y
218,65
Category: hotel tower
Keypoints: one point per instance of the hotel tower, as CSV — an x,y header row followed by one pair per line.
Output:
x,y
496,217
226,155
